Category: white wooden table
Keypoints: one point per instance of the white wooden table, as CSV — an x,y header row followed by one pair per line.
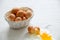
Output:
x,y
46,12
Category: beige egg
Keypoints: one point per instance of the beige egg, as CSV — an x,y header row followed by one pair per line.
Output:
x,y
18,19
11,17
20,13
15,10
26,9
37,30
24,18
28,14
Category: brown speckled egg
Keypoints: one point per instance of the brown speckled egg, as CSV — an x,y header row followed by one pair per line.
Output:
x,y
20,13
24,18
18,19
11,17
15,10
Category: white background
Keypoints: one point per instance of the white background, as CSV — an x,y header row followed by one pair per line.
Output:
x,y
46,12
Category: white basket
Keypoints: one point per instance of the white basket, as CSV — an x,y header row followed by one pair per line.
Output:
x,y
18,25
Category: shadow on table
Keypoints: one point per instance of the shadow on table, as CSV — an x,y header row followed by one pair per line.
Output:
x,y
16,34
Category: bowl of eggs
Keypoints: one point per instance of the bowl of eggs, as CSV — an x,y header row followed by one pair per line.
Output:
x,y
19,17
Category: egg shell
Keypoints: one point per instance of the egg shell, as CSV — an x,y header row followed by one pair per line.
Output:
x,y
31,29
24,18
18,19
11,17
15,10
26,9
28,14
37,30
20,13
